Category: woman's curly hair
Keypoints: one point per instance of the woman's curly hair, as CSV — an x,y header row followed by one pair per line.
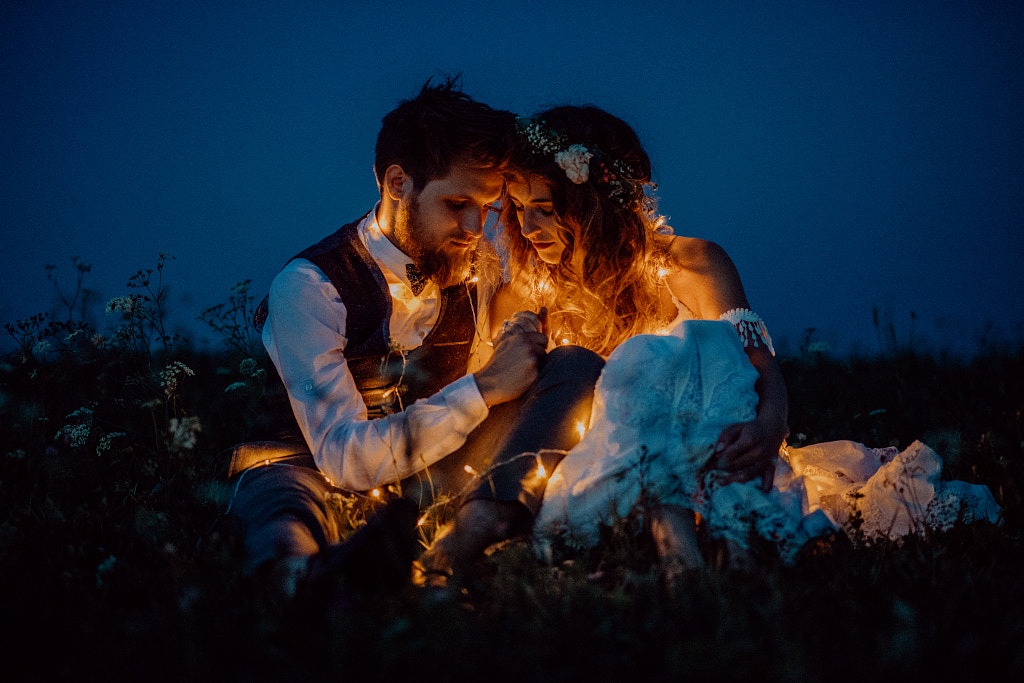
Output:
x,y
609,220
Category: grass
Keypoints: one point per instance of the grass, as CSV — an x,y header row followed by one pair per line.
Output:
x,y
117,562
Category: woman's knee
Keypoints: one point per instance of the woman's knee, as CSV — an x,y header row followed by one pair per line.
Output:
x,y
574,361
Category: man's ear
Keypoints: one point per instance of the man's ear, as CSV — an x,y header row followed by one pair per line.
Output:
x,y
397,183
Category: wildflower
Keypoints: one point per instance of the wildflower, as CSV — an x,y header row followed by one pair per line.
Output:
x,y
76,431
106,442
575,161
249,368
40,348
123,304
183,433
171,376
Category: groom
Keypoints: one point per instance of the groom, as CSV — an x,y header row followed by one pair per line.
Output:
x,y
378,333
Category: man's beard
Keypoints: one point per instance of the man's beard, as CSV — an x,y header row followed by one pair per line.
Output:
x,y
446,268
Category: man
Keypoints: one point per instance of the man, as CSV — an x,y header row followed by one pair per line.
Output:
x,y
373,331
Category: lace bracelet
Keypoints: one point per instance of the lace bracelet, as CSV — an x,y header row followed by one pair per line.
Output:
x,y
750,327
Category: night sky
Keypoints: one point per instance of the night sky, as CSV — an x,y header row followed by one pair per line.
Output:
x,y
850,156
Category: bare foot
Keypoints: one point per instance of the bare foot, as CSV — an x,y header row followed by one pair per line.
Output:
x,y
478,525
675,536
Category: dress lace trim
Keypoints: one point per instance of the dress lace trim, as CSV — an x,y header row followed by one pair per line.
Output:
x,y
751,328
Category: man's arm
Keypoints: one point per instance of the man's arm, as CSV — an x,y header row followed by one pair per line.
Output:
x,y
305,337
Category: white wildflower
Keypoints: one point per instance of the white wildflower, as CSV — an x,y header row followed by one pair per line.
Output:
x,y
171,376
76,430
122,304
538,135
249,368
106,442
40,348
575,161
183,433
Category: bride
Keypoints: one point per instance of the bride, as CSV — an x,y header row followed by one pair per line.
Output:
x,y
690,414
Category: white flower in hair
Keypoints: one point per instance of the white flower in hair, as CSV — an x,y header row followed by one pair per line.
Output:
x,y
575,161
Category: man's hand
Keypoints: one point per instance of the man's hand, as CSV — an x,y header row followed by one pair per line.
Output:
x,y
518,351
746,451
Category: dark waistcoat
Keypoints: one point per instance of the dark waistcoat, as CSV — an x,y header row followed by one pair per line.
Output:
x,y
387,378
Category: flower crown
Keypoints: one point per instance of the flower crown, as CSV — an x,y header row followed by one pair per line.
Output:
x,y
580,162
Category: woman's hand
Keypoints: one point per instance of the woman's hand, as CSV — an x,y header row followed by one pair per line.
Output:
x,y
747,451
524,321
518,352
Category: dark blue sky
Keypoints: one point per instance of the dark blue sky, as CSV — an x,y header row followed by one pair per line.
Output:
x,y
848,155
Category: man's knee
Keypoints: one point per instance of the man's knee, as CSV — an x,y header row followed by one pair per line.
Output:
x,y
283,537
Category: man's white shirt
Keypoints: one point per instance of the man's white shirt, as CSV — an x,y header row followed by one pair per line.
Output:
x,y
305,337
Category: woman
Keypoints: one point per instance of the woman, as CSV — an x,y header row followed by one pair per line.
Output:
x,y
689,415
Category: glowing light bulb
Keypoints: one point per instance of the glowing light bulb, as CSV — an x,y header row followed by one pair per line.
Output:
x,y
470,470
375,493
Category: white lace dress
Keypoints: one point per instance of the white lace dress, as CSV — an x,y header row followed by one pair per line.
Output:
x,y
660,405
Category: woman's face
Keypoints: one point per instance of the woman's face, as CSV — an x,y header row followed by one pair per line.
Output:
x,y
532,202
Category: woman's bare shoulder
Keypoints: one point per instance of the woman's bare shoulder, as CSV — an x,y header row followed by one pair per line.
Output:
x,y
695,254
702,271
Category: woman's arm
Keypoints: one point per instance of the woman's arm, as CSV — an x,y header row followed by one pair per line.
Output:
x,y
705,279
747,450
503,305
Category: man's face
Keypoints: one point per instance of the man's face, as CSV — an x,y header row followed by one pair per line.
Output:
x,y
440,225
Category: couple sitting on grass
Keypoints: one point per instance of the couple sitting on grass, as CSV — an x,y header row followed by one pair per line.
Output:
x,y
586,362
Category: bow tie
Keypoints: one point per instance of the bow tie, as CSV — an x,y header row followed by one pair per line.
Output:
x,y
417,281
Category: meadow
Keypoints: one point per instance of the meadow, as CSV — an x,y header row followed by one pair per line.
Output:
x,y
117,560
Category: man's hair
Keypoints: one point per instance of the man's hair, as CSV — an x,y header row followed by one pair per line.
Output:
x,y
439,128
